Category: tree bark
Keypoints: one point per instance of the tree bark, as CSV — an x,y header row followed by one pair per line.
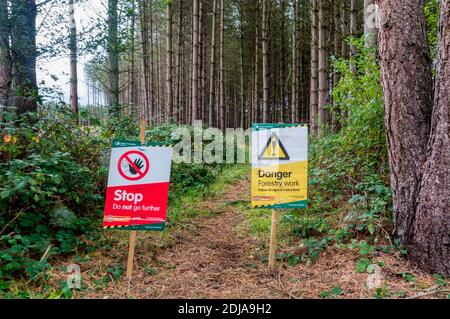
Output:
x,y
255,104
113,53
294,105
178,61
169,59
143,10
338,54
195,46
222,69
73,60
23,42
323,67
241,66
202,61
212,77
407,87
283,62
265,53
314,87
151,81
430,243
5,56
353,24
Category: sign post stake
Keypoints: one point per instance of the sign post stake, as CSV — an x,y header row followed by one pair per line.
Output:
x,y
279,172
273,240
133,233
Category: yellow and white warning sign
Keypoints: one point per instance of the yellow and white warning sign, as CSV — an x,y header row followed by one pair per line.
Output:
x,y
279,166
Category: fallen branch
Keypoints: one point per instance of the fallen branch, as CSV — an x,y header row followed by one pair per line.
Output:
x,y
45,255
292,296
185,226
15,217
429,293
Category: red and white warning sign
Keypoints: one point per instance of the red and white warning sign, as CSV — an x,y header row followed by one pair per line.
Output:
x,y
138,186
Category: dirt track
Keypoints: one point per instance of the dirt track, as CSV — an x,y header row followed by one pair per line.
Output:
x,y
210,259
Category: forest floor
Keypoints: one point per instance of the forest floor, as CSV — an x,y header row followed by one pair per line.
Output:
x,y
217,256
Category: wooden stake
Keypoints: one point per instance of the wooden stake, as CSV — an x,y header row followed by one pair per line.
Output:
x,y
133,233
273,240
142,129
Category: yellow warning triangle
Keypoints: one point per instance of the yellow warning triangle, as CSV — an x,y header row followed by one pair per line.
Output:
x,y
274,149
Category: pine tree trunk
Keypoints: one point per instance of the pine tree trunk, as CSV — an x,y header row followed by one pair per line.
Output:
x,y
314,87
133,82
113,53
169,60
353,24
283,63
337,53
222,68
178,61
143,10
202,59
73,60
23,41
151,81
195,47
255,106
265,53
323,67
298,56
344,33
430,243
241,68
200,62
407,91
294,105
157,106
417,130
212,77
5,56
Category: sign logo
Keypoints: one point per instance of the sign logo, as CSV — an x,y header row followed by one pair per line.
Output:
x,y
274,150
133,165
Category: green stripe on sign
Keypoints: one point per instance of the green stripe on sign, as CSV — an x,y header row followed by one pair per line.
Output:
x,y
122,143
299,204
150,227
268,126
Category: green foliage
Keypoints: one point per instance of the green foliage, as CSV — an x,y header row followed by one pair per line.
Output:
x,y
440,281
53,176
358,96
333,293
409,277
51,187
362,264
432,17
382,292
306,226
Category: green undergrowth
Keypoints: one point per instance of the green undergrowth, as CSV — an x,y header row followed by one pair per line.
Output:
x,y
53,176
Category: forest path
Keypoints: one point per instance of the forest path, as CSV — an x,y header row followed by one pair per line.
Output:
x,y
215,256
209,260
